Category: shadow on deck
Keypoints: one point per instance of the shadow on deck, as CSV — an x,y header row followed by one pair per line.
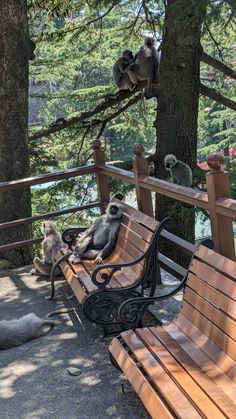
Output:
x,y
34,382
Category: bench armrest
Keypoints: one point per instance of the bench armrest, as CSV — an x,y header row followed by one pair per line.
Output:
x,y
116,267
70,234
131,311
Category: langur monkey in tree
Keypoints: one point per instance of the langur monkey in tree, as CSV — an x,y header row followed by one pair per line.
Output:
x,y
99,240
51,245
123,75
181,174
146,63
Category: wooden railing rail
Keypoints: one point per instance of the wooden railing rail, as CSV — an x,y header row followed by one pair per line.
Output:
x,y
226,207
217,201
48,177
116,172
47,215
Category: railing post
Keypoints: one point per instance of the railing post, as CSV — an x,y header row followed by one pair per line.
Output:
x,y
140,167
218,186
102,182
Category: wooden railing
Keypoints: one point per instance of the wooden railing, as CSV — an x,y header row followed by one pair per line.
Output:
x,y
222,209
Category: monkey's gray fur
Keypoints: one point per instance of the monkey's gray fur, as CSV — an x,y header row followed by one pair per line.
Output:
x,y
181,174
99,240
18,331
123,75
147,63
51,245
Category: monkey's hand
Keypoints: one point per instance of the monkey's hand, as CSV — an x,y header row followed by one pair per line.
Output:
x,y
98,260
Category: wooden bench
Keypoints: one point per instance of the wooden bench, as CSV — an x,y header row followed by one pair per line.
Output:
x,y
130,269
187,369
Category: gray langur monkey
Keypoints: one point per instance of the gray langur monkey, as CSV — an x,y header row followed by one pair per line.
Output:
x,y
51,245
146,63
99,240
18,331
123,75
181,174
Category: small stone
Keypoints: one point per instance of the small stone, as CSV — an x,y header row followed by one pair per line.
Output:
x,y
73,371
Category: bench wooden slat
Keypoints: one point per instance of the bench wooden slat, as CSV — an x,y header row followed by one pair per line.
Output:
x,y
84,278
137,228
133,238
222,264
210,348
178,402
138,216
212,295
153,403
213,332
73,281
214,278
191,389
128,248
218,397
223,322
202,360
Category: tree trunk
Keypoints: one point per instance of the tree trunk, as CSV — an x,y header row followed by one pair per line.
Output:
x,y
177,112
14,157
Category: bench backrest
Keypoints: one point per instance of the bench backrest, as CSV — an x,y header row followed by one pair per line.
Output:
x,y
134,235
210,298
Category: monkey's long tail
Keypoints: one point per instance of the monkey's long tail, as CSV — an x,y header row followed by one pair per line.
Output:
x,y
56,264
61,311
52,323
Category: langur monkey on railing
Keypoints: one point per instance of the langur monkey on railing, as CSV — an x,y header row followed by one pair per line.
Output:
x,y
181,174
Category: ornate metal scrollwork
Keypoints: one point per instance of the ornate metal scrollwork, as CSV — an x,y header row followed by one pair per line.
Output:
x,y
102,306
69,236
131,313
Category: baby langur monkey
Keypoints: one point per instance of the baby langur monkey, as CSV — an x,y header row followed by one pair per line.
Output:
x,y
51,245
123,75
181,174
18,331
99,240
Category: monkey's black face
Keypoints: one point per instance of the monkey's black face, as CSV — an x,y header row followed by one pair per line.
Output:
x,y
113,209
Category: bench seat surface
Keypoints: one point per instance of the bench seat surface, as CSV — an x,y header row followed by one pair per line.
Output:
x,y
188,367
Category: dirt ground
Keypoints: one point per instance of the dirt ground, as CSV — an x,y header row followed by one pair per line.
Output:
x,y
34,378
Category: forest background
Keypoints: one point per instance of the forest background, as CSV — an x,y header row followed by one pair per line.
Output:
x,y
77,43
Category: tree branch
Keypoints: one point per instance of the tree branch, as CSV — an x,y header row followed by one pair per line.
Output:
x,y
110,102
218,97
208,59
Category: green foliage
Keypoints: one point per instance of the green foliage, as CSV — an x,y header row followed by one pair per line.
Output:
x,y
77,43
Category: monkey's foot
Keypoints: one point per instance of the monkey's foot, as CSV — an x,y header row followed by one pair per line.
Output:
x,y
98,260
76,260
33,272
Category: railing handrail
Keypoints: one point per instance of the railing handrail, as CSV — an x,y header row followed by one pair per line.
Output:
x,y
45,216
223,206
122,174
47,177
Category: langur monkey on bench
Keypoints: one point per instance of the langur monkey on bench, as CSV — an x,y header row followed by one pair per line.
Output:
x,y
99,240
51,245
